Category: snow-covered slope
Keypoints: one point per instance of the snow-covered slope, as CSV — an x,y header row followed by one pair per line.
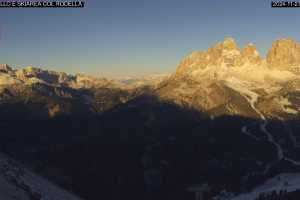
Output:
x,y
17,182
288,181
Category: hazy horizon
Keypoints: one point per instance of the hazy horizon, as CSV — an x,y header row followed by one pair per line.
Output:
x,y
135,38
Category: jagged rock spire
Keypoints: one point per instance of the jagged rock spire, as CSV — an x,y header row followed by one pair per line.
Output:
x,y
225,53
229,44
251,54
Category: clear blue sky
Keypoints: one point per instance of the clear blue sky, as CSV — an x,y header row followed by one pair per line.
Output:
x,y
136,37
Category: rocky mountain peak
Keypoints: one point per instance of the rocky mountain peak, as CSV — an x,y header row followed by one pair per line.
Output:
x,y
5,68
226,49
250,53
229,44
225,79
223,54
284,54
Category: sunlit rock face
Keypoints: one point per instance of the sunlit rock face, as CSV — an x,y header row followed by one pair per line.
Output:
x,y
251,55
48,93
223,54
195,60
284,55
31,75
6,77
226,79
5,68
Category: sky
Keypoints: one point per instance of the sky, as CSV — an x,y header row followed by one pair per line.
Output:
x,y
116,38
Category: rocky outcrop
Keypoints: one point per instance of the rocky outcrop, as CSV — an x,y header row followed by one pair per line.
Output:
x,y
5,68
49,93
35,75
226,53
227,80
251,55
284,55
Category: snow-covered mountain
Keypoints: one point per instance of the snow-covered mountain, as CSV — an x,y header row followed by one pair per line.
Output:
x,y
31,75
226,116
228,80
224,79
51,93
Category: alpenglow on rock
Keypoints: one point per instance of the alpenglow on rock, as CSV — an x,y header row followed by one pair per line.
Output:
x,y
251,54
225,53
5,68
284,55
227,80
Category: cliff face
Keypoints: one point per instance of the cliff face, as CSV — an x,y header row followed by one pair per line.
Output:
x,y
284,55
5,68
228,80
225,53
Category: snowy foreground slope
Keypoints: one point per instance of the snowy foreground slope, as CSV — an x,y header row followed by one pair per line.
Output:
x,y
287,181
16,182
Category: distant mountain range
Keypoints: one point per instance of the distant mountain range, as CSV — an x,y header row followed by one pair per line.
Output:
x,y
226,117
50,93
222,80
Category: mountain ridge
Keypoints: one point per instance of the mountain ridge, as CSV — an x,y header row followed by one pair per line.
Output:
x,y
218,81
223,114
255,79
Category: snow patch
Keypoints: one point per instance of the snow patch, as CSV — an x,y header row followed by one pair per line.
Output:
x,y
248,133
270,137
285,103
287,181
244,88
